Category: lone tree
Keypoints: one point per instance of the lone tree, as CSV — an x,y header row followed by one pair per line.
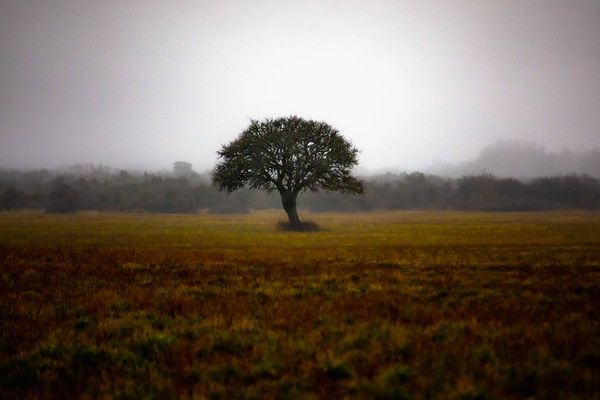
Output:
x,y
289,155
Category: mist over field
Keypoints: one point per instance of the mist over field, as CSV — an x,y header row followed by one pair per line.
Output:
x,y
525,161
412,84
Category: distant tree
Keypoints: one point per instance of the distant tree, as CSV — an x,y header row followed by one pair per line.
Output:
x,y
63,198
478,192
11,198
289,155
182,169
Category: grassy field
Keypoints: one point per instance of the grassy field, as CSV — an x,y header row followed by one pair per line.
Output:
x,y
398,305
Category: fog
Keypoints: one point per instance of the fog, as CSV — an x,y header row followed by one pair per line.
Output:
x,y
411,83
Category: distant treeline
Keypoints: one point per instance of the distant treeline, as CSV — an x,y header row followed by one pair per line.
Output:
x,y
184,191
525,160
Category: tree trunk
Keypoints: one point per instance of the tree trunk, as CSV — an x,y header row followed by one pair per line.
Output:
x,y
288,200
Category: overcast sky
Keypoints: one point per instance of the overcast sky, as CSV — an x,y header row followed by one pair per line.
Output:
x,y
145,83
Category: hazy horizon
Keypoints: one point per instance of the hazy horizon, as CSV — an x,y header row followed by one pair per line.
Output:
x,y
411,84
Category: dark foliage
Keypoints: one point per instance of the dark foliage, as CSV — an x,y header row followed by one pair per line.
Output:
x,y
63,197
290,155
11,198
67,191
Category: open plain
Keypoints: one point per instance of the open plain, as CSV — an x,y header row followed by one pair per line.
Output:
x,y
419,305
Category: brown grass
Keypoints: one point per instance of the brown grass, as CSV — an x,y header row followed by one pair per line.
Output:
x,y
383,305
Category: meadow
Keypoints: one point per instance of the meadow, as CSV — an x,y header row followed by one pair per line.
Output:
x,y
402,305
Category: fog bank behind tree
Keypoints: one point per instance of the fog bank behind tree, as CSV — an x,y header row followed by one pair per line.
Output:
x,y
524,160
145,83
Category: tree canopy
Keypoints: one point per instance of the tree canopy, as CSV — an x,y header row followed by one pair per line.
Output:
x,y
289,155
